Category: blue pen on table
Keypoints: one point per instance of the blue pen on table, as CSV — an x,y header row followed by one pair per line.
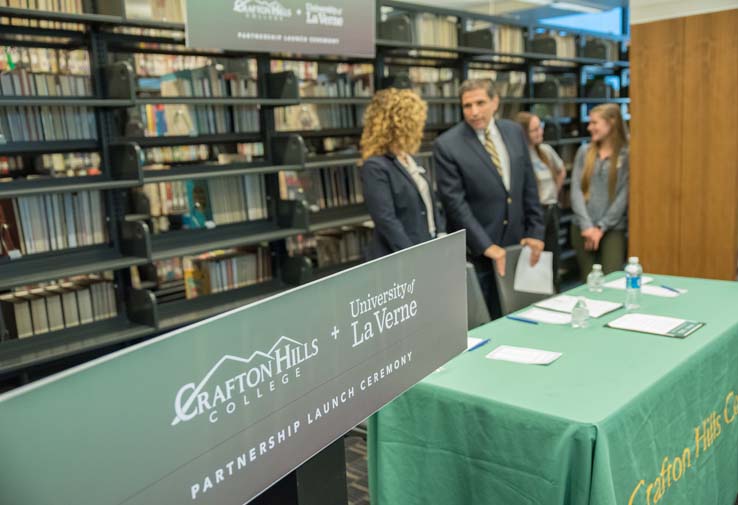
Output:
x,y
479,344
522,319
671,289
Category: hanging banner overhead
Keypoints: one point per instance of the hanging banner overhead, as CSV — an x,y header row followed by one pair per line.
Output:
x,y
216,412
323,27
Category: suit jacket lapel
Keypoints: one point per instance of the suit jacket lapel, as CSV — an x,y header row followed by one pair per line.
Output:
x,y
473,141
404,172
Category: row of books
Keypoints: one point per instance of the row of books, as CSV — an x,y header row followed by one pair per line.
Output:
x,y
202,203
52,222
208,81
49,165
38,60
188,120
436,89
316,117
566,47
57,306
330,247
157,65
158,158
170,11
434,30
329,187
224,270
506,83
36,124
442,114
20,82
67,6
307,71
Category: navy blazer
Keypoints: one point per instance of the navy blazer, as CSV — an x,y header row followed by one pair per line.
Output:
x,y
395,205
474,196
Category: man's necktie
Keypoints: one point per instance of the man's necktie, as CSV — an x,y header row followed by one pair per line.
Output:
x,y
489,146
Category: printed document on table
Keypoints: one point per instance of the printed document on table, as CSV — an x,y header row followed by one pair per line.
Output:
x,y
544,316
537,279
620,283
646,289
659,291
523,355
472,341
657,325
566,303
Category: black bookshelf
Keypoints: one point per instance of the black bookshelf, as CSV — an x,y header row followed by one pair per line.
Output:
x,y
132,241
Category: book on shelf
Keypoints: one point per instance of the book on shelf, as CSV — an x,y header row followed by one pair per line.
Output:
x,y
169,11
224,270
161,158
65,6
203,203
323,188
47,123
331,247
504,38
56,221
31,311
49,165
329,79
44,72
435,30
205,82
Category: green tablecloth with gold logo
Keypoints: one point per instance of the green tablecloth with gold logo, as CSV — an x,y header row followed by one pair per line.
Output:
x,y
620,418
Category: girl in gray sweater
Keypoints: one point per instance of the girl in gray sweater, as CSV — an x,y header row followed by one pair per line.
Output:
x,y
599,192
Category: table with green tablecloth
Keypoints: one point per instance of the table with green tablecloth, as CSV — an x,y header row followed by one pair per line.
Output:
x,y
620,418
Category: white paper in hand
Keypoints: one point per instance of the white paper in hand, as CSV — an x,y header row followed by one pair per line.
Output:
x,y
537,279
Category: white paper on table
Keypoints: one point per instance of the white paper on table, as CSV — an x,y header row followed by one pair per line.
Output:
x,y
620,283
544,316
472,341
658,325
659,291
566,303
537,279
646,289
523,355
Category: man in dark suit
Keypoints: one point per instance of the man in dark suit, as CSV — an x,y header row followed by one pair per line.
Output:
x,y
487,185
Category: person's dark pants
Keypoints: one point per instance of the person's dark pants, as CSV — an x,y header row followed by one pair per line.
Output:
x,y
487,284
611,254
551,238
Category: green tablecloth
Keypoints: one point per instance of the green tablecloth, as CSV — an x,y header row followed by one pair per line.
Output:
x,y
620,418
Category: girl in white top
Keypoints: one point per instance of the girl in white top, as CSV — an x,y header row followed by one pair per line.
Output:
x,y
550,173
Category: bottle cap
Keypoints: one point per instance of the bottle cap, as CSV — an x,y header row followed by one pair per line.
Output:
x,y
596,266
633,259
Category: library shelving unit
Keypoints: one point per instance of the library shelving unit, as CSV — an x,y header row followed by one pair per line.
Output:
x,y
261,149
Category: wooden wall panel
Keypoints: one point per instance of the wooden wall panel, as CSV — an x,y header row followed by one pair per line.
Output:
x,y
710,150
656,117
684,145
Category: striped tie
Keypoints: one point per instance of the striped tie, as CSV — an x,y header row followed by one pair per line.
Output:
x,y
489,146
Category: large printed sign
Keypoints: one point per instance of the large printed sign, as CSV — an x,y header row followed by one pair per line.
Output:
x,y
342,27
216,412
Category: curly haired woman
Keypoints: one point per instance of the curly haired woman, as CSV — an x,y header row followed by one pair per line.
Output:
x,y
396,189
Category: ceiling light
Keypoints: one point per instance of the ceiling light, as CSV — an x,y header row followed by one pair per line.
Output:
x,y
575,7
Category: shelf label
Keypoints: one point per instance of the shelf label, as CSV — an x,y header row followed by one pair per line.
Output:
x,y
216,412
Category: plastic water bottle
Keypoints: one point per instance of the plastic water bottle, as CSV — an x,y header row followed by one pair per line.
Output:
x,y
580,314
595,279
633,276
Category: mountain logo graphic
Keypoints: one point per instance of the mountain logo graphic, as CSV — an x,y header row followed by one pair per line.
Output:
x,y
271,9
194,399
